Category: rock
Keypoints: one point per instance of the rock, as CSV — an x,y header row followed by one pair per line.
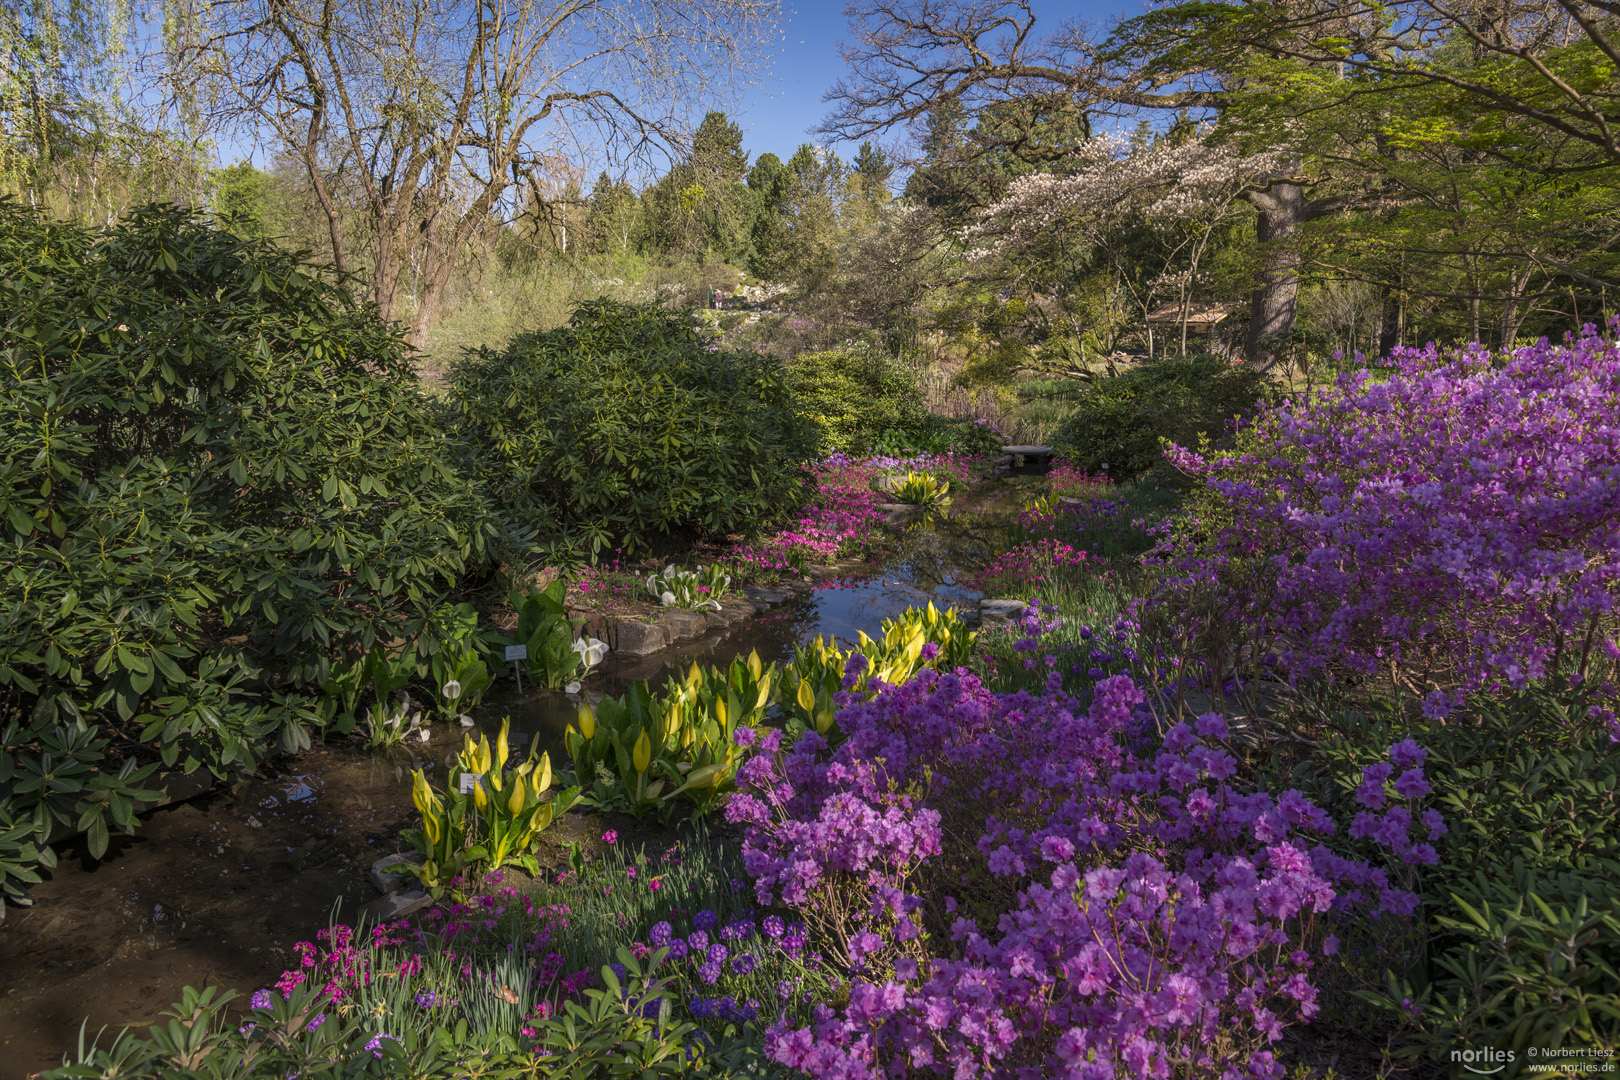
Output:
x,y
388,882
728,616
638,638
1001,610
681,625
397,904
765,596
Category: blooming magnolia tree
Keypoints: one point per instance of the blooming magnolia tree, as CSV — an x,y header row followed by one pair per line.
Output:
x,y
1137,913
1454,522
1182,190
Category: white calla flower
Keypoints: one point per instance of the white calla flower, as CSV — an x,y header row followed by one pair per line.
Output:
x,y
571,688
452,690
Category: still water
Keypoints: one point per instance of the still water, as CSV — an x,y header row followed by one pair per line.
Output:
x,y
932,564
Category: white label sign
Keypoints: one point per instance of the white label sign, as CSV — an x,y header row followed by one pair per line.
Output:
x,y
469,781
517,652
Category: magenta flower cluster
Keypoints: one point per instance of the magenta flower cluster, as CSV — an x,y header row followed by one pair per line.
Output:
x,y
1457,516
1034,564
1161,916
1067,478
841,518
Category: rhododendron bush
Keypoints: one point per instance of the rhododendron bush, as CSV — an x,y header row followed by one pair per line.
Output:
x,y
1138,913
1455,524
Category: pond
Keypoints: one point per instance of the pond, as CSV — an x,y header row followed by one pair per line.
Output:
x,y
932,559
215,891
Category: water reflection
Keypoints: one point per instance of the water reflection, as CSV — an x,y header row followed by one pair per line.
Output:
x,y
935,555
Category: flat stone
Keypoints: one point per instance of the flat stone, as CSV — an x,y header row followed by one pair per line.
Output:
x,y
389,882
1028,451
682,625
638,638
765,596
397,904
1001,610
729,615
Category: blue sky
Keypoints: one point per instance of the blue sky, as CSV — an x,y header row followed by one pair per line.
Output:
x,y
776,115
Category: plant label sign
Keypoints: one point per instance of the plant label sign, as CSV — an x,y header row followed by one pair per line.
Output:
x,y
470,782
517,652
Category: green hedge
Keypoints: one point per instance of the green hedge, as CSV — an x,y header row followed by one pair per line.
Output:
x,y
624,428
1118,421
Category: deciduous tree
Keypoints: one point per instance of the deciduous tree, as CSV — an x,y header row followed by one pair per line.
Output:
x,y
438,109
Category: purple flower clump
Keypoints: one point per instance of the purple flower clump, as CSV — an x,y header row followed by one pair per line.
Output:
x,y
1164,915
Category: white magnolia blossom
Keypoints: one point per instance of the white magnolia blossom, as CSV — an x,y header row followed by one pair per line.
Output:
x,y
1162,185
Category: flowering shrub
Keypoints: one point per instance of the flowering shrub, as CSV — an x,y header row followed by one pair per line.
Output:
x,y
1456,524
842,518
1029,566
608,583
1149,914
1069,479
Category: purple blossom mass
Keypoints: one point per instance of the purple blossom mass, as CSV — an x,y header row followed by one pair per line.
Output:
x,y
1163,914
1477,525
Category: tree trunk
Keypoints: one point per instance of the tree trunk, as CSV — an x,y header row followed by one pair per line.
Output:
x,y
385,280
1512,313
438,259
1389,330
329,210
1276,294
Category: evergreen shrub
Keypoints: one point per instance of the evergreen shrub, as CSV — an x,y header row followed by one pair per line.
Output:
x,y
858,398
1118,421
216,473
623,428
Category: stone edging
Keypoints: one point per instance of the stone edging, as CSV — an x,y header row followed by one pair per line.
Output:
x,y
674,626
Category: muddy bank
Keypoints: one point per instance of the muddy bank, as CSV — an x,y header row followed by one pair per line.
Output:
x,y
212,892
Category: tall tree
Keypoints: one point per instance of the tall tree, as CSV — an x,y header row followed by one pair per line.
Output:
x,y
702,206
769,181
872,164
438,110
1542,63
241,199
610,220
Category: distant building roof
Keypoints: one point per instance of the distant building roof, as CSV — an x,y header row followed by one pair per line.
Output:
x,y
1197,314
